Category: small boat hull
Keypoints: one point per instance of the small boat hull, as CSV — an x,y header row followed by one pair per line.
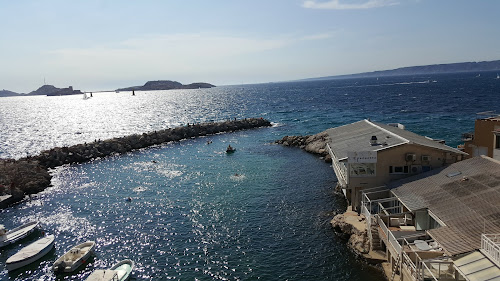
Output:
x,y
18,233
118,272
30,253
74,258
124,269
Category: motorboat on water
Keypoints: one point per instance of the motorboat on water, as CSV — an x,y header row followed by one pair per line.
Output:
x,y
74,258
118,272
30,253
11,236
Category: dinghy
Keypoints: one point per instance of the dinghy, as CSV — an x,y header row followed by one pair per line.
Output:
x,y
123,269
118,272
230,149
30,253
16,234
74,258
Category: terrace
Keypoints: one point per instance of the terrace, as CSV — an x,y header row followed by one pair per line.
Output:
x,y
412,252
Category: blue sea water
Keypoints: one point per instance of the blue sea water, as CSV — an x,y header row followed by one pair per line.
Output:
x,y
191,216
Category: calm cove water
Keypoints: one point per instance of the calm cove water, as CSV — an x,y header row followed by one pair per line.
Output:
x,y
191,217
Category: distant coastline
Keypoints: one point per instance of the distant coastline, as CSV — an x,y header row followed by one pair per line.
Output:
x,y
461,67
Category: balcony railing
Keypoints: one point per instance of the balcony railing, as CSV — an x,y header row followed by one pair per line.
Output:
x,y
392,243
339,172
490,246
436,268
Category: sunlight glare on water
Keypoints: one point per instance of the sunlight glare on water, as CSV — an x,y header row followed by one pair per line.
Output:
x,y
197,213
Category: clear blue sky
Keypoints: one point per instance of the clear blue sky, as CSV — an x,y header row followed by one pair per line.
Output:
x,y
98,45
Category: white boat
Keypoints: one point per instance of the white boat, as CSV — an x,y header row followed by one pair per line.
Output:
x,y
74,258
30,253
16,234
118,272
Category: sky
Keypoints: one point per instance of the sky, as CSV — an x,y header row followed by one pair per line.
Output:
x,y
104,45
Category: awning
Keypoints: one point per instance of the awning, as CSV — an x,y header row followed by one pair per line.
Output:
x,y
477,267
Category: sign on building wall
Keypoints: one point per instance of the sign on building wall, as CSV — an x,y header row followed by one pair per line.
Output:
x,y
362,157
362,169
362,163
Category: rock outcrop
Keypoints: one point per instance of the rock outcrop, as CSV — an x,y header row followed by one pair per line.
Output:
x,y
352,227
315,144
30,175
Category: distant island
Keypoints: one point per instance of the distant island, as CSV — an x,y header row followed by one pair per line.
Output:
x,y
166,85
49,90
424,69
45,90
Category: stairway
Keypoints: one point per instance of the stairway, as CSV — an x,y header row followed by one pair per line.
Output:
x,y
375,238
395,268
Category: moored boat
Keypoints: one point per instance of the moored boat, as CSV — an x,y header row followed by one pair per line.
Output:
x,y
74,258
30,253
124,269
230,149
118,272
16,234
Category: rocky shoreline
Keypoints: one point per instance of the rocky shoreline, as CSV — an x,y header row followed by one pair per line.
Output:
x,y
315,144
31,175
352,227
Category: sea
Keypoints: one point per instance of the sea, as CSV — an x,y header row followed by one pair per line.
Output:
x,y
197,213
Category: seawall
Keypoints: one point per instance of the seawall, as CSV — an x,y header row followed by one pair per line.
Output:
x,y
30,175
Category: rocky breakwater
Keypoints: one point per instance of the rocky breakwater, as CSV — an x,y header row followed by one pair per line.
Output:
x,y
21,177
315,144
30,175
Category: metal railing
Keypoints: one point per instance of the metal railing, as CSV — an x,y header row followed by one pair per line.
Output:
x,y
377,206
392,242
490,246
437,268
342,173
409,265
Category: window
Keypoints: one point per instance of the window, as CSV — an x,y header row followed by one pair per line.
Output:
x,y
426,168
399,169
